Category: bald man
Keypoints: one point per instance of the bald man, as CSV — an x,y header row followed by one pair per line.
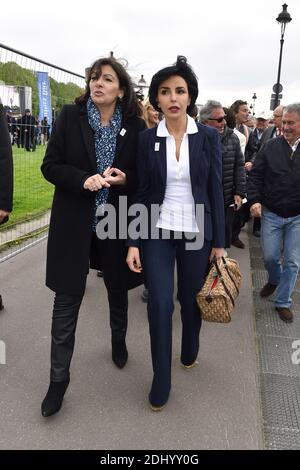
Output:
x,y
273,131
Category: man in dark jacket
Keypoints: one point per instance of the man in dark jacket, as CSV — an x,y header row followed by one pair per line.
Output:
x,y
6,173
274,194
45,131
273,131
241,111
233,163
27,130
261,125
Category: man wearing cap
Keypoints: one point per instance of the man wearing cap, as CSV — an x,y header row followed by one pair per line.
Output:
x,y
274,194
261,124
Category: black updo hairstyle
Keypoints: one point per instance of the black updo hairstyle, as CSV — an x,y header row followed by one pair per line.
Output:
x,y
184,70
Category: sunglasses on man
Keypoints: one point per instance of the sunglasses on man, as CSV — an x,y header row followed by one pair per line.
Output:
x,y
217,119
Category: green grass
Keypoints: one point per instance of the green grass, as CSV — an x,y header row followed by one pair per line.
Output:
x,y
32,193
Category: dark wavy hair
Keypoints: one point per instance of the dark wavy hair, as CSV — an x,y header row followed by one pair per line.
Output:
x,y
182,69
129,101
236,105
230,117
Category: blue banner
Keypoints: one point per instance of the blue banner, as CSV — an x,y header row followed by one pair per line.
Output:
x,y
43,85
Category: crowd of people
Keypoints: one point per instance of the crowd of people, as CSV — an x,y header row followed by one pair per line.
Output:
x,y
26,131
206,172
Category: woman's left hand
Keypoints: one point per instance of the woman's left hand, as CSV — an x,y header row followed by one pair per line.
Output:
x,y
217,253
114,176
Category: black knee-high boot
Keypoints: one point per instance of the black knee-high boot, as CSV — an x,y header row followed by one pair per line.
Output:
x,y
118,307
64,321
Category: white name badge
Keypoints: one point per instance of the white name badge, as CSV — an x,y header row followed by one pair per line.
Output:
x,y
122,132
156,147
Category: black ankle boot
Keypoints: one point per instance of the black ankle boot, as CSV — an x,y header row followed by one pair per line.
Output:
x,y
119,350
55,395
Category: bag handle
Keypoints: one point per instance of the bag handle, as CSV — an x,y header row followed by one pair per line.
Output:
x,y
215,263
230,275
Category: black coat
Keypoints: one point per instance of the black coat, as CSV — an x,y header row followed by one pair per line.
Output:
x,y
6,166
251,146
268,134
45,127
70,159
27,127
274,180
233,167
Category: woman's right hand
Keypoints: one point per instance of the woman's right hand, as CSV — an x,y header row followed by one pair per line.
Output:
x,y
133,259
95,182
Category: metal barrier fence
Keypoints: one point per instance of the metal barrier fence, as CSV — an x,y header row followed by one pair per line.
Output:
x,y
29,220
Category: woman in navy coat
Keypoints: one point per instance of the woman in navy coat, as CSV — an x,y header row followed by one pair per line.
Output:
x,y
180,170
91,160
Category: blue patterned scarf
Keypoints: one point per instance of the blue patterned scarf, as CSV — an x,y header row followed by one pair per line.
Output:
x,y
105,139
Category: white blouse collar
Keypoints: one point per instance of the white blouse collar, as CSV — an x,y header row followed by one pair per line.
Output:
x,y
162,130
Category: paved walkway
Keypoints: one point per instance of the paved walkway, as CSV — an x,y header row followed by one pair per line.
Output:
x,y
278,346
216,405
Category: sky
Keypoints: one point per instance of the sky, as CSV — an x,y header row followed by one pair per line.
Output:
x,y
233,45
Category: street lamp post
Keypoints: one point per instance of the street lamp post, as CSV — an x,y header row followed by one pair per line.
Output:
x,y
141,86
254,97
283,18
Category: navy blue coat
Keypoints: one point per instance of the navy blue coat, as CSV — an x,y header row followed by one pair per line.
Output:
x,y
205,171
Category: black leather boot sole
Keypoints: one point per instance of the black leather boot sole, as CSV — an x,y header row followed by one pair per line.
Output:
x,y
54,398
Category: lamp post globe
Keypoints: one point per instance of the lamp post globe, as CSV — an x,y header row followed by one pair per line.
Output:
x,y
283,19
141,85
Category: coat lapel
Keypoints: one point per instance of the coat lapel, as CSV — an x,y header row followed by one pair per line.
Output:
x,y
195,149
160,152
88,137
121,140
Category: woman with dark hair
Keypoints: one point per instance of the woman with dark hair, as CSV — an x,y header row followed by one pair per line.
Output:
x,y
91,159
180,170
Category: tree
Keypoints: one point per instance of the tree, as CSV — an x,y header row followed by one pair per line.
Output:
x,y
61,93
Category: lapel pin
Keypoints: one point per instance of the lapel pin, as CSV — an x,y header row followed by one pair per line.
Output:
x,y
156,147
122,132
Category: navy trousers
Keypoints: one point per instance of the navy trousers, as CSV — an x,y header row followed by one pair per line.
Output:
x,y
159,258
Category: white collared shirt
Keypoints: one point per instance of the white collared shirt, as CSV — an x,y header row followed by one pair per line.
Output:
x,y
178,207
295,145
